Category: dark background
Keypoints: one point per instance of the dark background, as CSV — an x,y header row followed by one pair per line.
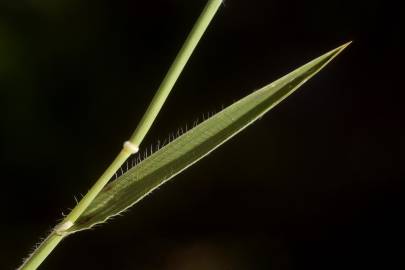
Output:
x,y
316,184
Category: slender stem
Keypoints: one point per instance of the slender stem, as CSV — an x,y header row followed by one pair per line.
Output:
x,y
175,71
59,232
41,252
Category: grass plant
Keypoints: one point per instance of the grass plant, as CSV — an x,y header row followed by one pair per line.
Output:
x,y
109,198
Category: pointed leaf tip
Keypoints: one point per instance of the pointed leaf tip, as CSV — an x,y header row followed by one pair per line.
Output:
x,y
344,46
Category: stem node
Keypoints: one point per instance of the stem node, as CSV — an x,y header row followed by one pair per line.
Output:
x,y
130,147
61,228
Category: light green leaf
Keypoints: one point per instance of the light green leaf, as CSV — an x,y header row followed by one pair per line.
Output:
x,y
193,145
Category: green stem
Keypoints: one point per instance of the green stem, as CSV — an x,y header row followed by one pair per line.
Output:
x,y
59,232
175,70
42,251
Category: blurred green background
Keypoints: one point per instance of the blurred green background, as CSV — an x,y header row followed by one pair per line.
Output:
x,y
313,185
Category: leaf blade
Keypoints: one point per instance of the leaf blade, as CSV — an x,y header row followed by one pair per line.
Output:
x,y
195,144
